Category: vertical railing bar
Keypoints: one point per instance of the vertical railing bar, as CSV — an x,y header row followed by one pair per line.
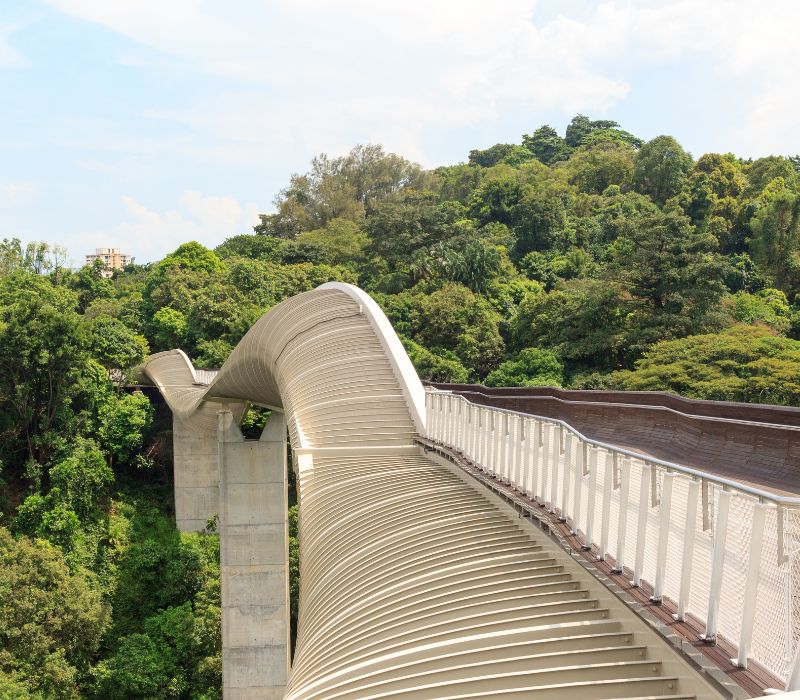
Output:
x,y
717,564
532,458
544,453
654,499
622,528
687,561
565,477
593,457
605,520
555,456
577,487
751,584
502,448
485,439
641,534
462,425
519,457
663,536
705,505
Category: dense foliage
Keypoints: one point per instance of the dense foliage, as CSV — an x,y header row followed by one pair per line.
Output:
x,y
589,260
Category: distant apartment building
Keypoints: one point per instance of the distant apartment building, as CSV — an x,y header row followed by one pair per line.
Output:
x,y
111,258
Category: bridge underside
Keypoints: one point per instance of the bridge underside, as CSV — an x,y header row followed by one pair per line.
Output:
x,y
416,582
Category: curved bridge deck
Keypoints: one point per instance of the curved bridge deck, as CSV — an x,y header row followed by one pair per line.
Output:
x,y
432,588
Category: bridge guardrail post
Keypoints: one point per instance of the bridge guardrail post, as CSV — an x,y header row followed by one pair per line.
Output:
x,y
531,447
502,448
520,445
751,584
663,536
609,465
717,564
567,438
641,534
622,529
554,454
688,549
541,462
577,488
592,494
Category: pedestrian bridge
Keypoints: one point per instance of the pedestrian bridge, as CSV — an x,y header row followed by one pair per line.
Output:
x,y
455,550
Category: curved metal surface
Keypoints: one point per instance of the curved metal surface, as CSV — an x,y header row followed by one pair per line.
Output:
x,y
415,581
329,358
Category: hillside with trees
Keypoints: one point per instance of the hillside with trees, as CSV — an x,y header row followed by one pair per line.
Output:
x,y
592,260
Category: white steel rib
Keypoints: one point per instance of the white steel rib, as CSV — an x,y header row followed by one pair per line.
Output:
x,y
416,582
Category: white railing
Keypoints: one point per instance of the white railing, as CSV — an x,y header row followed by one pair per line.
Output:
x,y
724,552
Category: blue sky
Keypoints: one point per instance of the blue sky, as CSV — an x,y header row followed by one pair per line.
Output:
x,y
142,124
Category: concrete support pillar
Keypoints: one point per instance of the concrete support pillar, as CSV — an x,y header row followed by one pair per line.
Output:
x,y
196,472
254,560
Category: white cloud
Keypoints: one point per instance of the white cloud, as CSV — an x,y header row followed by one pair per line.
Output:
x,y
149,234
9,56
17,194
310,75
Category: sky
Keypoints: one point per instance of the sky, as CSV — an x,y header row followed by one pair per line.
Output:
x,y
142,124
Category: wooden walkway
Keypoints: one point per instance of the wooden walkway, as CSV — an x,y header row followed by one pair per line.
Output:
x,y
752,444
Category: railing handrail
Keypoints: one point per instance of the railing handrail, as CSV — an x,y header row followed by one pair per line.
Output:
x,y
551,462
621,404
728,484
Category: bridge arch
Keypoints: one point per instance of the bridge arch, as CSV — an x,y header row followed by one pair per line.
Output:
x,y
327,358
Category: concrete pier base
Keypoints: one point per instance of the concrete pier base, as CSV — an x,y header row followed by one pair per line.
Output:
x,y
196,471
254,560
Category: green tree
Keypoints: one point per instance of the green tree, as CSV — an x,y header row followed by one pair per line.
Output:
x,y
583,323
496,200
114,345
191,256
453,318
674,276
538,223
252,246
768,306
439,366
776,234
42,352
594,168
532,367
51,619
81,479
123,422
137,669
582,130
169,328
90,285
764,170
341,240
743,363
493,155
546,145
339,188
661,167
416,220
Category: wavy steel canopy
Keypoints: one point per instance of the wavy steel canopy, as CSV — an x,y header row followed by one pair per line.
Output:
x,y
416,583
